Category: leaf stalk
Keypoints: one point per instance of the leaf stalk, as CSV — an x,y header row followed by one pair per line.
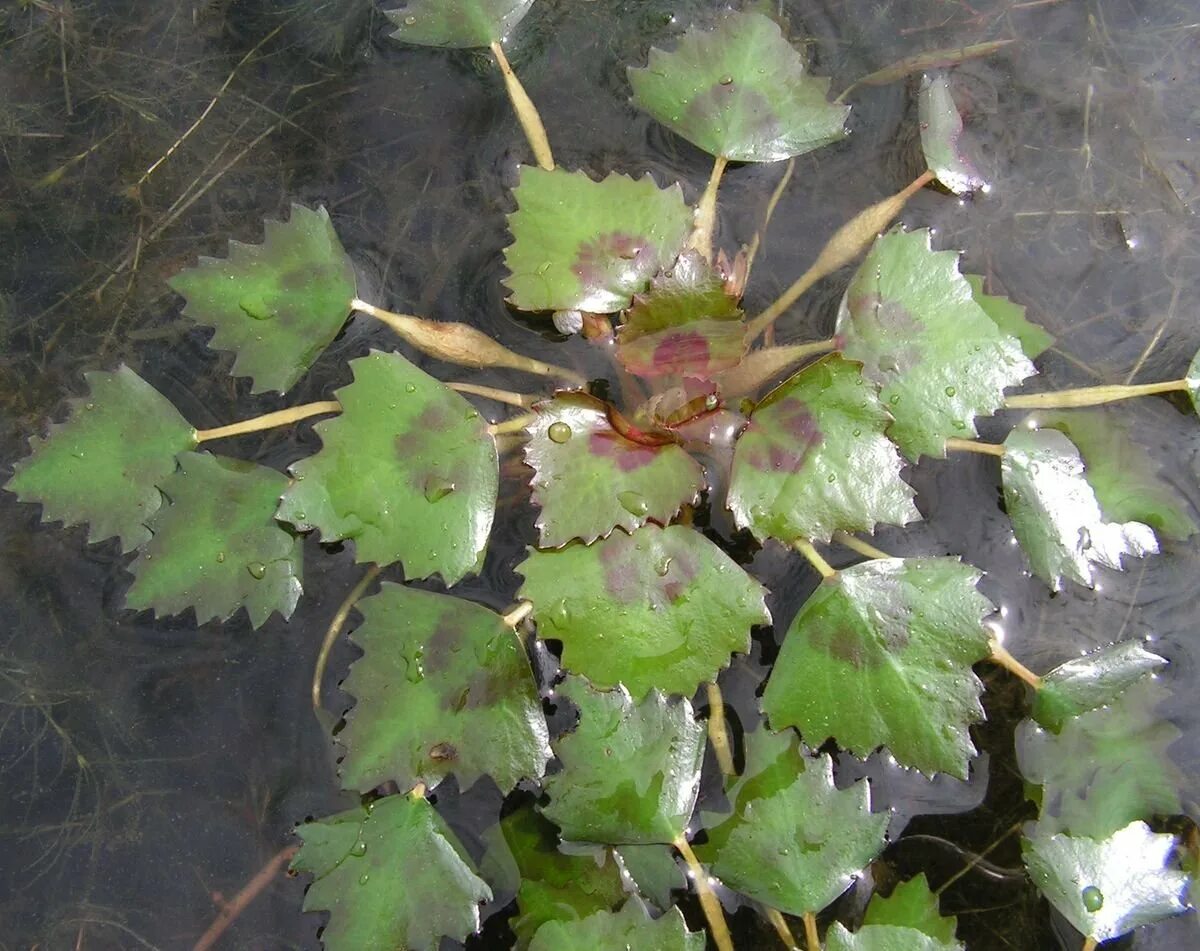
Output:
x,y
335,628
779,923
713,911
1091,395
706,211
1003,658
805,547
283,417
858,545
811,937
718,734
974,445
527,114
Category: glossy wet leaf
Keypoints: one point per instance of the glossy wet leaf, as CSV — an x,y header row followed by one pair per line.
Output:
x,y
911,319
408,472
458,24
1010,318
663,607
1123,475
278,304
794,840
1108,887
912,905
1105,767
686,324
1193,381
589,479
581,244
814,459
881,655
942,137
1055,513
655,871
631,929
1089,682
741,91
885,938
444,688
103,465
217,546
364,875
630,772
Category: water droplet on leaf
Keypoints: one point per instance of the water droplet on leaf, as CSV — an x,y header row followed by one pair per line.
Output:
x,y
1093,898
951,391
410,387
437,488
633,503
359,848
559,432
256,307
257,570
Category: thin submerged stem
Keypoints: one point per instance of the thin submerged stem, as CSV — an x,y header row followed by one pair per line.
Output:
x,y
779,923
974,445
756,242
708,898
718,733
335,628
527,114
1003,658
811,937
523,400
1091,395
241,901
805,547
283,417
857,544
706,211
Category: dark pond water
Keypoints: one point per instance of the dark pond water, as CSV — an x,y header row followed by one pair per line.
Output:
x,y
148,768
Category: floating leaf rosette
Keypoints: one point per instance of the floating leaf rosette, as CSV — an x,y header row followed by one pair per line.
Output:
x,y
373,895
740,91
661,608
581,244
589,478
631,928
104,464
939,360
278,304
408,472
881,655
444,687
217,546
814,459
457,24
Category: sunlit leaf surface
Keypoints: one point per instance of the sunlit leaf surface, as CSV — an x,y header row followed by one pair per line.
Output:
x,y
103,465
581,244
912,905
911,319
661,608
276,304
459,24
444,687
363,876
631,929
881,655
741,91
885,938
217,546
942,137
1010,318
408,472
1089,682
814,460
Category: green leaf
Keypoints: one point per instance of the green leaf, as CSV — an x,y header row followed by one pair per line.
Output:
x,y
391,875
278,304
794,840
885,938
911,319
580,244
655,871
103,465
443,687
740,91
941,137
458,24
408,472
589,479
814,460
881,655
1121,473
630,771
631,928
217,546
1055,513
1092,681
1106,767
1110,886
1010,318
912,905
685,325
663,607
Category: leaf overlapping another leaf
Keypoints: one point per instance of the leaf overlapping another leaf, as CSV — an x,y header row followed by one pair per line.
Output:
x,y
885,938
457,24
912,905
631,928
1091,681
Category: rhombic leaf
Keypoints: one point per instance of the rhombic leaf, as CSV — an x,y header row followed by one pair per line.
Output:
x,y
217,546
912,905
391,875
630,771
589,479
460,24
912,320
1107,887
631,928
1010,318
663,607
881,655
740,91
794,841
580,244
408,472
1055,514
814,460
885,938
1092,681
103,465
443,687
276,304
942,137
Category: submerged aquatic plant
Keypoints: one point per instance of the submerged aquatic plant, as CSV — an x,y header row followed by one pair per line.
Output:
x,y
647,608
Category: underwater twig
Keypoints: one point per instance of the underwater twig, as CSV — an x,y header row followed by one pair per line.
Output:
x,y
811,936
781,928
713,911
523,400
718,733
526,111
1003,658
228,914
335,628
858,545
1092,395
805,547
954,444
756,241
283,417
706,211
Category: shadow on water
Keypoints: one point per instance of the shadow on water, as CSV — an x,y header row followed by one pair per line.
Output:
x,y
147,769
